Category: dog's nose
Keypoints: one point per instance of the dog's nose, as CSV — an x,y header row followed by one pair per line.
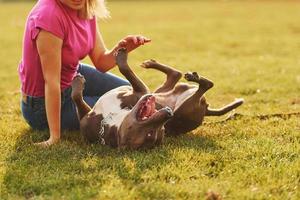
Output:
x,y
169,111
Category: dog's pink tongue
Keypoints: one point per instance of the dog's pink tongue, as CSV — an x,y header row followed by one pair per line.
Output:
x,y
149,108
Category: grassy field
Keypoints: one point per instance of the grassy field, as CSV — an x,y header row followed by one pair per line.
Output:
x,y
249,49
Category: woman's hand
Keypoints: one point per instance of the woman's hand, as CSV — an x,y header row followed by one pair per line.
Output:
x,y
48,142
132,42
104,59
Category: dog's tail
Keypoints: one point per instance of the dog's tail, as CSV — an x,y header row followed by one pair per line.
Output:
x,y
225,109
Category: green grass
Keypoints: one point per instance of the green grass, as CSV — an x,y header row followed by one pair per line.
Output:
x,y
249,49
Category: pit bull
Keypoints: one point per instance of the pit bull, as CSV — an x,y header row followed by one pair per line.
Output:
x,y
132,117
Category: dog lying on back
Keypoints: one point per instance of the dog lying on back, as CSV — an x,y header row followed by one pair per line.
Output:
x,y
132,117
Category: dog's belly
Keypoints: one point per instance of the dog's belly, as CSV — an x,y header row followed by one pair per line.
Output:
x,y
109,106
175,98
183,96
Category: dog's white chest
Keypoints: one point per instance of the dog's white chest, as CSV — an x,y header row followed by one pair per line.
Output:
x,y
109,106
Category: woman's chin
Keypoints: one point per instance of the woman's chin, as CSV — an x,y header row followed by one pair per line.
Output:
x,y
77,7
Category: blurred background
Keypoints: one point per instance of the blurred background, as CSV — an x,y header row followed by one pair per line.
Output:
x,y
248,48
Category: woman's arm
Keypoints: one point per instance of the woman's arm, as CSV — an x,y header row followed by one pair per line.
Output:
x,y
49,49
104,59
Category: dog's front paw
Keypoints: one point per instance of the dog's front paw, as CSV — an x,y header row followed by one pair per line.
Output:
x,y
121,57
77,86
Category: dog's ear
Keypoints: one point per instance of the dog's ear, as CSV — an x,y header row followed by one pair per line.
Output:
x,y
122,142
112,137
89,128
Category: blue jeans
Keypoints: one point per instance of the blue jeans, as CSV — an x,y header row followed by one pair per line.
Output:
x,y
96,85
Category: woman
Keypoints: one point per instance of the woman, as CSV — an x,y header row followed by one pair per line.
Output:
x,y
58,34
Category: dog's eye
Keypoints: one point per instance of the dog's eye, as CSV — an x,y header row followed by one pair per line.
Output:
x,y
127,108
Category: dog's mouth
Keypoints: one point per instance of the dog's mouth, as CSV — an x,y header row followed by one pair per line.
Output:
x,y
146,108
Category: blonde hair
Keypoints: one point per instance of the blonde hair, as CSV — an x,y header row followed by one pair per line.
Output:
x,y
95,8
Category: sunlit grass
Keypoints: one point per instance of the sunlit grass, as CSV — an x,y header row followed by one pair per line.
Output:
x,y
249,49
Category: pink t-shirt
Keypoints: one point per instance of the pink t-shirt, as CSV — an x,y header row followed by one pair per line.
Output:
x,y
78,37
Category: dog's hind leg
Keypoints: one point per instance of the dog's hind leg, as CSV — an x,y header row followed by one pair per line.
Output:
x,y
204,84
77,87
190,111
137,84
173,75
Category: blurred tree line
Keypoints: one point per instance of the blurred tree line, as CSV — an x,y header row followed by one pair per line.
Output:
x,y
32,0
106,0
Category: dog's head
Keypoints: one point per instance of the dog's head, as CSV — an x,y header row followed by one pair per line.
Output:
x,y
143,127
